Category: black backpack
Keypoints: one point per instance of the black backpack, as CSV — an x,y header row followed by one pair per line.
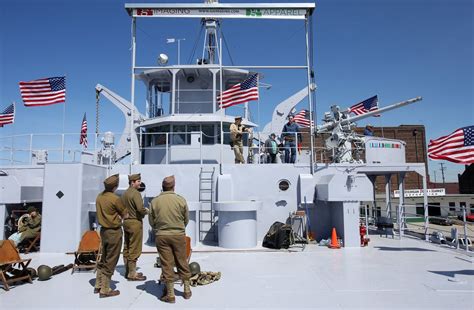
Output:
x,y
278,236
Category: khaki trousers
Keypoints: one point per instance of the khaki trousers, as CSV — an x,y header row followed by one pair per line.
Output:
x,y
172,250
111,239
238,152
133,239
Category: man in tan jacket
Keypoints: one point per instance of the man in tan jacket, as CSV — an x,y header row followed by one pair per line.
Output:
x,y
110,212
236,133
133,228
169,216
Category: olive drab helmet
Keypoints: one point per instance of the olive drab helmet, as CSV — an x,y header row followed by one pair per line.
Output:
x,y
194,268
32,272
44,272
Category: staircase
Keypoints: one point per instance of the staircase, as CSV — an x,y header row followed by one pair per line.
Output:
x,y
207,230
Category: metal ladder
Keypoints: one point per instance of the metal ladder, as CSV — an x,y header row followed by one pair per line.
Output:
x,y
207,230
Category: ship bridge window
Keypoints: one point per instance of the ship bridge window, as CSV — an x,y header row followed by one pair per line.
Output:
x,y
179,135
157,135
208,134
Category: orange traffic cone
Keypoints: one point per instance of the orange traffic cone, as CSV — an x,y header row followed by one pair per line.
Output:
x,y
334,243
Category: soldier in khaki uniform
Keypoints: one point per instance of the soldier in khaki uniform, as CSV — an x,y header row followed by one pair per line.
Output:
x,y
133,228
110,212
236,133
169,216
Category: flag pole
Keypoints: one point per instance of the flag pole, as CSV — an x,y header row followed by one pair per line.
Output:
x,y
258,105
258,120
12,135
14,111
64,124
64,113
220,103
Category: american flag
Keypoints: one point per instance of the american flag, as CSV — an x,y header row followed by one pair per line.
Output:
x,y
83,139
365,106
240,93
303,118
8,115
457,147
43,91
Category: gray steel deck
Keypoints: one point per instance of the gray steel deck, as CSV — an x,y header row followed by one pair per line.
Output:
x,y
407,274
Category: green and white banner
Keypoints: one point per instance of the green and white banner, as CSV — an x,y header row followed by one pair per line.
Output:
x,y
214,12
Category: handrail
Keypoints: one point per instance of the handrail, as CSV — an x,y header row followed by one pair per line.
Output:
x,y
65,147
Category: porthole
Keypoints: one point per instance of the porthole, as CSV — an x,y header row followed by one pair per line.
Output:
x,y
283,185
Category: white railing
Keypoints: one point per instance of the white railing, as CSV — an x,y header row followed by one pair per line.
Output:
x,y
65,148
425,227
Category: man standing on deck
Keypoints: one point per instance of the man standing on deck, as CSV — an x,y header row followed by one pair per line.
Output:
x,y
271,149
290,133
133,228
169,216
236,132
110,212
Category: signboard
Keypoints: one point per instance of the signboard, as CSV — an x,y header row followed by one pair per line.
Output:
x,y
222,12
384,151
431,192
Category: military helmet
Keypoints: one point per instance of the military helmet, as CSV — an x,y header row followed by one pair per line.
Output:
x,y
44,272
32,272
194,268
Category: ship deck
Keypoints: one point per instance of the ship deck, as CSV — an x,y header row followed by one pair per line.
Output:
x,y
389,273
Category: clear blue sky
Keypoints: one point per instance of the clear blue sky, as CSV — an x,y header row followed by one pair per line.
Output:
x,y
397,49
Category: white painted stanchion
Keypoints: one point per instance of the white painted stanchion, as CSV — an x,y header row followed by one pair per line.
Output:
x,y
191,228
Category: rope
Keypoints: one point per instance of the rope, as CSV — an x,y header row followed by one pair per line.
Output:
x,y
193,51
226,47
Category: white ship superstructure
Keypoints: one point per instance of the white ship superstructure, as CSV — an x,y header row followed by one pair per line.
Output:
x,y
185,133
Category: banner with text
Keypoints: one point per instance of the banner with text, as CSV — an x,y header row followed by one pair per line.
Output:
x,y
264,13
419,192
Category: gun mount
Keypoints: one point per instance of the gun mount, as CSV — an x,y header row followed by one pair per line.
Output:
x,y
340,125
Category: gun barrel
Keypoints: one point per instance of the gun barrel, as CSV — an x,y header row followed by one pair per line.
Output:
x,y
331,125
384,109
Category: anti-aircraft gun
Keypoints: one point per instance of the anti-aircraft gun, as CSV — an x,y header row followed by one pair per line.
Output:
x,y
340,125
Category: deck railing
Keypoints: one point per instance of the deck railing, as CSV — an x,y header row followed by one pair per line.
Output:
x,y
429,228
26,149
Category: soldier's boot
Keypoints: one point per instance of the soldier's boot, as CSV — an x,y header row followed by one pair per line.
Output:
x,y
98,282
165,291
106,291
187,289
169,297
133,275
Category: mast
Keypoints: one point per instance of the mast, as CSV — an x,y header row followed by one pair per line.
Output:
x,y
210,50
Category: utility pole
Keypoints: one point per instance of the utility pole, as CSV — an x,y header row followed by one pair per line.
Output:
x,y
442,171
